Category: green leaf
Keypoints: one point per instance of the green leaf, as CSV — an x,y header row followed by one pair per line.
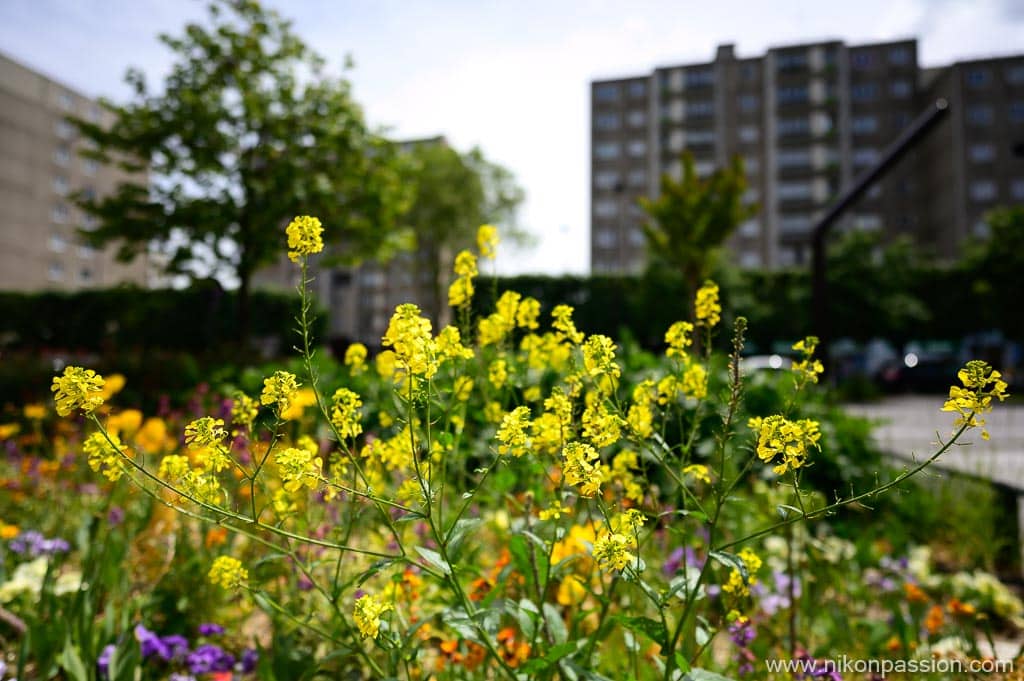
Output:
x,y
434,559
556,625
652,629
704,675
733,561
458,533
71,662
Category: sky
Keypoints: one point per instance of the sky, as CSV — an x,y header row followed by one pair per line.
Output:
x,y
510,77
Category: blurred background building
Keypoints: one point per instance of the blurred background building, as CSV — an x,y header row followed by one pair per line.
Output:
x,y
40,169
806,120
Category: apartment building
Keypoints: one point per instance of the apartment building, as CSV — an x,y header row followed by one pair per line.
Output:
x,y
807,120
40,246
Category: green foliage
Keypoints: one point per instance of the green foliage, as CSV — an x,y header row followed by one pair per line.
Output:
x,y
693,216
247,131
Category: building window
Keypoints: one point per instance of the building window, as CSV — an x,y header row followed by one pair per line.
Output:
x,y
85,275
900,56
865,125
791,191
750,228
980,114
637,178
57,242
62,155
56,271
606,121
60,214
637,238
867,222
749,103
791,127
1017,112
750,259
749,71
637,89
700,77
606,208
60,185
794,94
749,133
983,190
637,148
89,166
605,238
751,164
1015,74
791,61
865,157
64,129
901,120
606,150
901,89
864,92
862,60
700,109
89,222
1017,189
636,118
794,158
795,224
66,101
606,92
982,153
86,252
979,77
606,179
699,137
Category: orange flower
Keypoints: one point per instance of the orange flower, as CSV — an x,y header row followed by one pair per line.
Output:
x,y
934,620
894,644
958,607
216,536
914,593
480,587
9,531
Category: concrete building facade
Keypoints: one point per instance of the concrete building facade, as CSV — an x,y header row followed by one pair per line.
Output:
x,y
40,168
807,120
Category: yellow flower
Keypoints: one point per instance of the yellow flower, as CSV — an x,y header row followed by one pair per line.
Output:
x,y
612,551
571,591
205,432
355,358
807,369
777,435
461,290
77,388
737,584
244,410
9,430
35,412
600,426
345,413
228,573
580,470
707,307
409,335
695,381
554,512
104,457
298,467
487,241
512,432
599,357
152,437
9,531
697,472
527,314
113,384
562,316
449,345
385,364
305,237
497,373
678,339
465,264
126,422
367,612
493,412
279,390
980,384
305,397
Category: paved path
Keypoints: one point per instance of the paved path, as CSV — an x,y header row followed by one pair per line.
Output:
x,y
907,427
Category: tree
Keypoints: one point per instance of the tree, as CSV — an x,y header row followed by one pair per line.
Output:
x,y
247,132
455,194
693,216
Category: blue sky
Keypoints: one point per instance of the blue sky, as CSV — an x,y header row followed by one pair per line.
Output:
x,y
509,76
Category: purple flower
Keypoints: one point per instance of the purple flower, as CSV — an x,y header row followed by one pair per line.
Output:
x,y
35,544
177,646
151,644
209,658
115,516
249,659
103,661
673,563
210,629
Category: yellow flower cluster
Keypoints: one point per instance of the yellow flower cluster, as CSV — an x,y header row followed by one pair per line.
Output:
x,y
496,326
409,336
487,241
612,551
562,316
199,483
497,373
205,438
678,339
599,357
367,612
244,411
708,310
345,414
77,388
807,369
737,585
512,434
601,426
298,467
580,468
228,573
305,237
792,440
355,358
280,390
104,457
640,416
460,292
981,384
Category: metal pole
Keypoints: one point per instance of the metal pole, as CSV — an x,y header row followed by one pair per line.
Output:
x,y
923,124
